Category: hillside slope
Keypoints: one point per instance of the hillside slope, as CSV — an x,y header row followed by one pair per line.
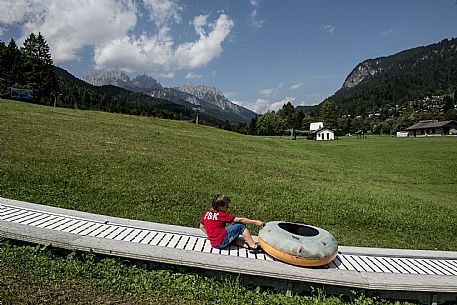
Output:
x,y
406,76
167,171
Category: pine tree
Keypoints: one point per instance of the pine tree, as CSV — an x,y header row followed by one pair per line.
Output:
x,y
39,71
11,65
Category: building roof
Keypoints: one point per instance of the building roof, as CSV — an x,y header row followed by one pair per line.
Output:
x,y
429,124
322,129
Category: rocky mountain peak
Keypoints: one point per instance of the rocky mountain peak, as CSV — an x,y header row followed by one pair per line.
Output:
x,y
121,79
361,72
201,91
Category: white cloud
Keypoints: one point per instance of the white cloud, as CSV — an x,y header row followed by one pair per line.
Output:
x,y
296,86
191,75
329,28
167,74
253,18
278,105
69,26
271,92
386,32
163,11
107,25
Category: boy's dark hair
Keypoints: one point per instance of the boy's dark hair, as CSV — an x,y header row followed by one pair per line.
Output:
x,y
219,200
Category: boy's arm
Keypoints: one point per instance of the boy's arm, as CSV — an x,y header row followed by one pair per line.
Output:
x,y
202,227
248,221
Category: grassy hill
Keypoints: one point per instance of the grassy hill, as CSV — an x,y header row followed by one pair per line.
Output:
x,y
381,191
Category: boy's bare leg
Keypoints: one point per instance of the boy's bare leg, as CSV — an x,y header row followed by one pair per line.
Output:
x,y
248,238
241,243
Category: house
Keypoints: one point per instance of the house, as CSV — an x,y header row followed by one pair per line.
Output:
x,y
431,128
402,134
324,134
316,126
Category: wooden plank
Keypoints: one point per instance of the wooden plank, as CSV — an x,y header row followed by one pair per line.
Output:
x,y
369,264
96,231
106,232
233,250
207,246
346,263
149,237
363,266
78,224
140,236
133,234
17,215
434,267
68,222
165,240
118,230
50,219
123,234
28,217
157,238
449,266
398,265
405,265
89,225
421,269
375,262
54,224
182,243
191,243
199,244
35,219
12,213
174,240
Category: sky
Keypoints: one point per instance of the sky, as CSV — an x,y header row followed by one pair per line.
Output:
x,y
259,53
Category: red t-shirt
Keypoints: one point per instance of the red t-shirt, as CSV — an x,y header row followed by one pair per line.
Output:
x,y
214,222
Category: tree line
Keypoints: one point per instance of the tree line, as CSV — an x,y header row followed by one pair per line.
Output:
x,y
387,121
31,67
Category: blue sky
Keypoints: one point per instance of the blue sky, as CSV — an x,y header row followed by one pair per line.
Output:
x,y
259,53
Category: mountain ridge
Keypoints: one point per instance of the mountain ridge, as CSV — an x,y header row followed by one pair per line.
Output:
x,y
208,99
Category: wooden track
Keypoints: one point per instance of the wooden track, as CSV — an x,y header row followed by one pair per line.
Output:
x,y
428,276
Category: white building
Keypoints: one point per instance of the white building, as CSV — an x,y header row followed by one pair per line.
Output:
x,y
316,126
325,134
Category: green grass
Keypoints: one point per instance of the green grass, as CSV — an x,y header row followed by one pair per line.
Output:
x,y
34,275
378,192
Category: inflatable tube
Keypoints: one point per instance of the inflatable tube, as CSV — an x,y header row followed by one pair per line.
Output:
x,y
298,244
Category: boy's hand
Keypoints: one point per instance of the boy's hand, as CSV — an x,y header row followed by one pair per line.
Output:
x,y
259,223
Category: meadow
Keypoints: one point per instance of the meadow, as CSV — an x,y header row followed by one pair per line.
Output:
x,y
376,192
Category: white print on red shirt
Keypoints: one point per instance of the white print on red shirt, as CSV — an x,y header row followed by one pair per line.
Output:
x,y
211,216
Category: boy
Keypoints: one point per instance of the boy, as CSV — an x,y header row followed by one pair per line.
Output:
x,y
213,224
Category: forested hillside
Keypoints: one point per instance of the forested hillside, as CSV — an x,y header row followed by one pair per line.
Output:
x,y
407,76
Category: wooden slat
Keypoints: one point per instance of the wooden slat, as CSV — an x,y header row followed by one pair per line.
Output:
x,y
346,263
140,236
33,219
421,269
52,223
123,234
206,246
106,232
28,217
76,225
182,243
17,215
88,225
405,265
12,213
449,266
148,237
191,243
433,267
132,235
363,265
157,238
165,240
65,224
117,230
174,241
199,244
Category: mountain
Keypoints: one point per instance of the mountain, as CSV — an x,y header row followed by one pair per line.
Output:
x,y
397,79
214,96
209,100
76,93
140,83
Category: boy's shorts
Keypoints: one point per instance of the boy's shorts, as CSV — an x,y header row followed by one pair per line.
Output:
x,y
232,232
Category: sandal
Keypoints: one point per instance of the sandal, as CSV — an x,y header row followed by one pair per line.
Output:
x,y
256,249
